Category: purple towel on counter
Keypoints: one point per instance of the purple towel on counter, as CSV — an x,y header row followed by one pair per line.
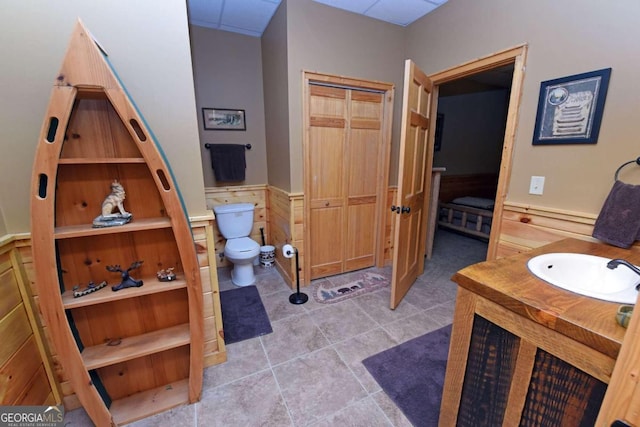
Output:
x,y
619,221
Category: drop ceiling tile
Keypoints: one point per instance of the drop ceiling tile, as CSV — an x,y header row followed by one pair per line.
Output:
x,y
244,31
251,15
400,12
357,6
205,11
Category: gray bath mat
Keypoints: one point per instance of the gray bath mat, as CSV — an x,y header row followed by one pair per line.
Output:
x,y
412,375
243,315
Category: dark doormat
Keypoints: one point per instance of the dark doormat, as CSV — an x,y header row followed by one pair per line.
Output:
x,y
243,315
412,375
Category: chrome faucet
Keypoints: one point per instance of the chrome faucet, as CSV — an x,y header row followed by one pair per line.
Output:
x,y
614,263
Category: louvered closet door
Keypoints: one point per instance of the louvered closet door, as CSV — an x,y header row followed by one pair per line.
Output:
x,y
344,147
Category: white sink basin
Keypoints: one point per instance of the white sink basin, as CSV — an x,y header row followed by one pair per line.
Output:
x,y
586,275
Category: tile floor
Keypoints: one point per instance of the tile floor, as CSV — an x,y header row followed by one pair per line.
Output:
x,y
309,370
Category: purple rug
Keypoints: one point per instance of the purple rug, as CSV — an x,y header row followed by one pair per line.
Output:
x,y
243,315
412,375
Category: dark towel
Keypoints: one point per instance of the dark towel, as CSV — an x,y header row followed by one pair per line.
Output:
x,y
619,221
227,161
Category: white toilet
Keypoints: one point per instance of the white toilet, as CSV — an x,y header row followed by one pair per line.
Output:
x,y
235,222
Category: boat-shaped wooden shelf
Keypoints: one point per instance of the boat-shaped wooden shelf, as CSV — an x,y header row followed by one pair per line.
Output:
x,y
151,286
84,230
136,351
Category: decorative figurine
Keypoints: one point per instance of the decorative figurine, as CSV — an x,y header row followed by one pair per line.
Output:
x,y
112,201
91,287
127,281
166,275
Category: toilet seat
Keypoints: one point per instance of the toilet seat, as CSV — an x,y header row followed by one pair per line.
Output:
x,y
242,246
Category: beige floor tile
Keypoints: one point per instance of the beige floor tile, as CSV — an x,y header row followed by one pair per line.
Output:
x,y
243,358
354,350
293,337
270,282
376,304
393,413
278,306
251,401
426,295
412,326
363,413
342,320
317,385
77,418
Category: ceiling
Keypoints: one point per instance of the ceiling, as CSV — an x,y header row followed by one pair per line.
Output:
x,y
251,17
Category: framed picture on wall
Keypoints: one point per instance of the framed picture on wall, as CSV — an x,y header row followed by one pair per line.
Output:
x,y
223,119
570,109
437,144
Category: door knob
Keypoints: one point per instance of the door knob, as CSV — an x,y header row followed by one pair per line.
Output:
x,y
406,209
395,208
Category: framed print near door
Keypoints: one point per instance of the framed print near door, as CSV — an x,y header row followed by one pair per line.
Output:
x,y
570,109
223,119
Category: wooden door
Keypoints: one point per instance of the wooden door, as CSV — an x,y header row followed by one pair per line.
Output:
x,y
413,188
344,164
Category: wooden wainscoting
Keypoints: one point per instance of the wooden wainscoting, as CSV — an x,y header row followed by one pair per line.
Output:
x,y
203,236
285,215
26,370
278,212
281,215
524,227
255,194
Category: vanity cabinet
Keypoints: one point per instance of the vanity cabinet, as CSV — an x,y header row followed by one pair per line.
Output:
x,y
523,352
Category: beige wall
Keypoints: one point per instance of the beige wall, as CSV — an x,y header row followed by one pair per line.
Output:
x,y
227,69
275,80
148,45
473,132
3,227
564,38
330,40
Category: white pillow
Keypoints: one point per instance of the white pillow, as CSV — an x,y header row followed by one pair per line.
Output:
x,y
475,202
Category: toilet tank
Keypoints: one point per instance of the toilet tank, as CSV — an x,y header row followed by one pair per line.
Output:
x,y
235,219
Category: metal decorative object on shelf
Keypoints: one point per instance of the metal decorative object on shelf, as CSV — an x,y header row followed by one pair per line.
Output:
x,y
166,275
114,200
91,287
127,281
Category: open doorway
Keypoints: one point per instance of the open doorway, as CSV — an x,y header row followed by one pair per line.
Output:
x,y
469,137
482,99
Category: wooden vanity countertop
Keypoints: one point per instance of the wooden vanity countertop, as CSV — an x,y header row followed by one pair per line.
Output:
x,y
508,282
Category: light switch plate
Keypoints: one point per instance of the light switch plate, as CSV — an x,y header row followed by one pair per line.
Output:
x,y
537,185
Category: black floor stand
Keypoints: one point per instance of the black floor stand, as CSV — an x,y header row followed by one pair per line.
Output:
x,y
298,297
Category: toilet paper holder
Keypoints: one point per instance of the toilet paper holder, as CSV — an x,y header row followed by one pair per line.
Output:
x,y
298,298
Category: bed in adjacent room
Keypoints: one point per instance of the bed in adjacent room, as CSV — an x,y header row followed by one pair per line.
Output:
x,y
466,204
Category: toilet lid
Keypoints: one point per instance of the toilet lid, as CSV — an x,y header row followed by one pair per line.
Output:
x,y
242,244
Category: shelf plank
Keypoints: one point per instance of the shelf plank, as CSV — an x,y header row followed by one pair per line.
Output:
x,y
129,348
150,286
146,403
87,230
99,160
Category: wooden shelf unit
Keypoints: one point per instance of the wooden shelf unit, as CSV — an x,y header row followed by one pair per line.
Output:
x,y
137,351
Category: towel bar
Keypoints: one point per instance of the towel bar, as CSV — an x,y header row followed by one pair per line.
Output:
x,y
637,161
247,146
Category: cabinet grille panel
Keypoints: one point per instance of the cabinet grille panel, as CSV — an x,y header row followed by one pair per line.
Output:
x,y
492,355
561,395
